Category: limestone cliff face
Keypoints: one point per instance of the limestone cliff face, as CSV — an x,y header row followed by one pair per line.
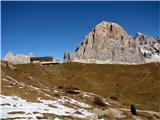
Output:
x,y
107,43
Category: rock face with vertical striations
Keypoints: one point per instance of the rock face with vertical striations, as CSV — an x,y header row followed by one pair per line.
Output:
x,y
107,43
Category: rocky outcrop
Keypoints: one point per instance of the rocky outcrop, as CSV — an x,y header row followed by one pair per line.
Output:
x,y
21,59
17,59
107,43
70,57
6,64
149,47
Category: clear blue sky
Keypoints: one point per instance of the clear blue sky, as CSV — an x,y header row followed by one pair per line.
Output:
x,y
51,28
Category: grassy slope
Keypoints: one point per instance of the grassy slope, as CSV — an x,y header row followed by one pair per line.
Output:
x,y
130,83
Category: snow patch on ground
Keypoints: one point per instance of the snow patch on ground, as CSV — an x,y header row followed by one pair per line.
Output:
x,y
65,99
15,107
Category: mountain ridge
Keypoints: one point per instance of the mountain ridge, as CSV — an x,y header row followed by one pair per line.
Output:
x,y
109,43
18,58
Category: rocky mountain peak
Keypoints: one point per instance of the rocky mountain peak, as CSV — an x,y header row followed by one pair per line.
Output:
x,y
110,30
9,55
18,58
149,46
106,43
139,34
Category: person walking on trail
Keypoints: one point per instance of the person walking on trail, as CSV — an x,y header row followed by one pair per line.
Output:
x,y
133,110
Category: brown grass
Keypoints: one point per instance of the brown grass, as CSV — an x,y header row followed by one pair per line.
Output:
x,y
138,84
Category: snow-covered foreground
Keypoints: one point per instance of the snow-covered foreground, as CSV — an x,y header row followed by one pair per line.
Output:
x,y
15,107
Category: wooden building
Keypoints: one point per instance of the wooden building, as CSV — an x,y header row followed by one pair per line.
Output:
x,y
47,60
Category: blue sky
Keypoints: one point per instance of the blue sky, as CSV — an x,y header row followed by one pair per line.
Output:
x,y
51,28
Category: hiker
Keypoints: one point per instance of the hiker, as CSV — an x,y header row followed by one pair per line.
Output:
x,y
133,110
